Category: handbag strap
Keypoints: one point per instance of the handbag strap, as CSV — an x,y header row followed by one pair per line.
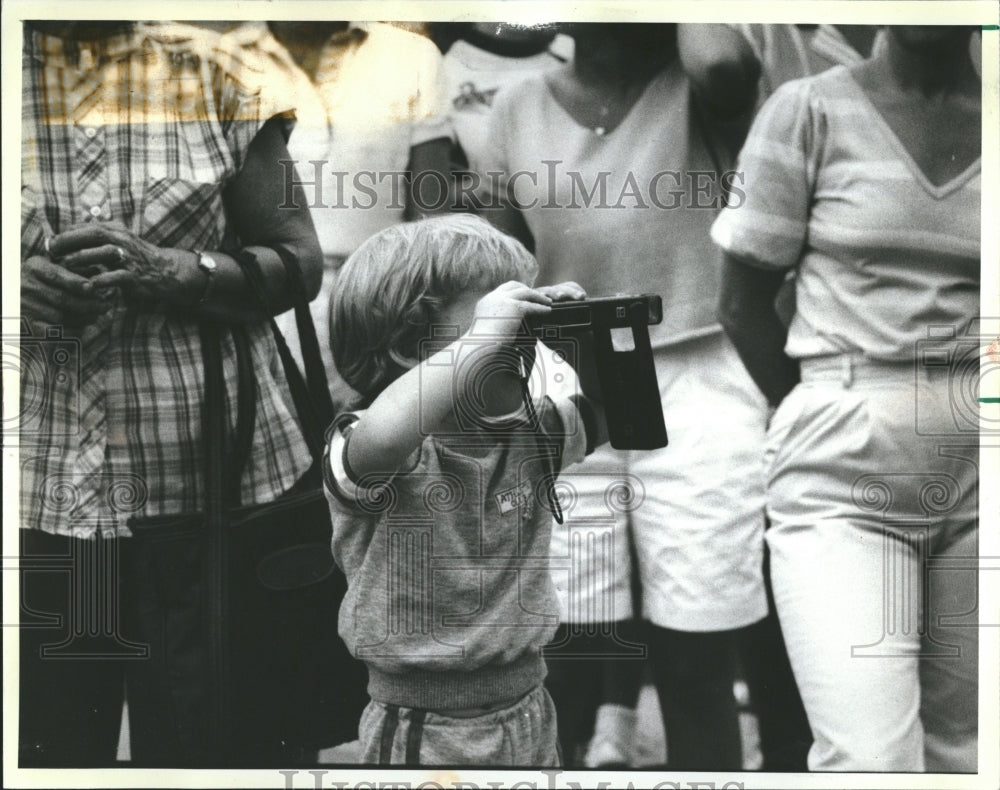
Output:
x,y
225,458
310,394
319,387
246,413
215,435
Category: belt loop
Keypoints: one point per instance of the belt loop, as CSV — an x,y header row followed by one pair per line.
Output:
x,y
846,370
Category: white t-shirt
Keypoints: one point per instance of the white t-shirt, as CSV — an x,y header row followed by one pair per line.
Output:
x,y
474,77
378,92
883,255
628,211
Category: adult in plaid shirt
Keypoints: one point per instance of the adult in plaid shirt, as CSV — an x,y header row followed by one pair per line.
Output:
x,y
145,153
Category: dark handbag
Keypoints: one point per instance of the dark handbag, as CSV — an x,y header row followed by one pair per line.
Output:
x,y
266,678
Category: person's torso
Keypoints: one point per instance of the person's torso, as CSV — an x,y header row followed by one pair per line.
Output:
x,y
474,78
439,557
890,256
146,132
626,211
381,95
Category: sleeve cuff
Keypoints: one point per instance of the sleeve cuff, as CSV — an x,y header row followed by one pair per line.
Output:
x,y
574,431
431,128
730,238
337,475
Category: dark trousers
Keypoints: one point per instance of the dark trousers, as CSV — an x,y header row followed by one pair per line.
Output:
x,y
785,736
694,675
587,668
102,615
73,659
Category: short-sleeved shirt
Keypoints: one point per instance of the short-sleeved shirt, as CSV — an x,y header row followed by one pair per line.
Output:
x,y
626,211
786,53
883,255
475,76
145,128
447,562
378,91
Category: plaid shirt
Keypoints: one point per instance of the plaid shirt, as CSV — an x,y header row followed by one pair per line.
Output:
x,y
145,129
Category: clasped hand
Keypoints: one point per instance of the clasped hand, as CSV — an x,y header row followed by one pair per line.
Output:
x,y
74,281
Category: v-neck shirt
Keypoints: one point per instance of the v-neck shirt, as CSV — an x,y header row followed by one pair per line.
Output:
x,y
619,212
886,259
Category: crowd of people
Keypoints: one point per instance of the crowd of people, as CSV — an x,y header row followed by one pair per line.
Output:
x,y
805,200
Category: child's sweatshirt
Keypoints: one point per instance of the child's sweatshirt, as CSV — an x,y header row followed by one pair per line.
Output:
x,y
449,596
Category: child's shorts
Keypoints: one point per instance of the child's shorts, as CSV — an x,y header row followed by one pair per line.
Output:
x,y
521,735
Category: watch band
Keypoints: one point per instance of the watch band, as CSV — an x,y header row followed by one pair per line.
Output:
x,y
208,265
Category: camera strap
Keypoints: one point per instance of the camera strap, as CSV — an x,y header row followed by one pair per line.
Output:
x,y
524,374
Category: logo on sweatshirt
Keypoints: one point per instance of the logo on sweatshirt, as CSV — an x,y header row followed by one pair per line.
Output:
x,y
517,498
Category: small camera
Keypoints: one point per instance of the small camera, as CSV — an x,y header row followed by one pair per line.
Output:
x,y
624,359
546,367
49,367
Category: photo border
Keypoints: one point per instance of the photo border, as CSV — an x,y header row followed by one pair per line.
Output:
x,y
977,12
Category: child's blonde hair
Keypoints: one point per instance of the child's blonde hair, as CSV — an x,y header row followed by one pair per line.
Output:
x,y
388,291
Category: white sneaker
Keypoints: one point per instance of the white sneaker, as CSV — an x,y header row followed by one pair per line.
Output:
x,y
614,735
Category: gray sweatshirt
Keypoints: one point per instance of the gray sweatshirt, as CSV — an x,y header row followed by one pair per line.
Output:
x,y
449,598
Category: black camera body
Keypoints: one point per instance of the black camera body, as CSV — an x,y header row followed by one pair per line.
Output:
x,y
627,373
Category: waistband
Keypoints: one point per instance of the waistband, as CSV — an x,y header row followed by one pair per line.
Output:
x,y
849,368
455,689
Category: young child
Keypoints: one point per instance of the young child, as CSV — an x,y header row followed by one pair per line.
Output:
x,y
442,494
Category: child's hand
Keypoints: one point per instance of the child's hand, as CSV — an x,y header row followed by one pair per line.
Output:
x,y
502,312
568,291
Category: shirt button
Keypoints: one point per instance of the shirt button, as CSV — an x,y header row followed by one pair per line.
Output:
x,y
95,211
91,132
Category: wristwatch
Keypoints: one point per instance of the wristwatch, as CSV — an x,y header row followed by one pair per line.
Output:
x,y
208,265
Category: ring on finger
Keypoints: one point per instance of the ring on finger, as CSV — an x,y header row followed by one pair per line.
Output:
x,y
47,244
121,254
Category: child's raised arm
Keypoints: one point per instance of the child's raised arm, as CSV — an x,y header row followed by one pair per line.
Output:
x,y
423,398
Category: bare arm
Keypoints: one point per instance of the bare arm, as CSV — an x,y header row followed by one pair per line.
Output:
x,y
721,66
749,318
430,173
419,402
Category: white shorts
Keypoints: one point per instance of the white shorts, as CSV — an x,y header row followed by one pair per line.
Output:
x,y
695,508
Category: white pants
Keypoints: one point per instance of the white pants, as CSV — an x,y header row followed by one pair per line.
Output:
x,y
695,507
873,507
